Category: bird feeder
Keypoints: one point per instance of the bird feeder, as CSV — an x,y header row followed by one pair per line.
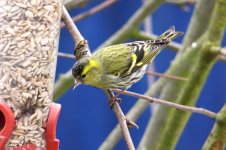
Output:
x,y
29,36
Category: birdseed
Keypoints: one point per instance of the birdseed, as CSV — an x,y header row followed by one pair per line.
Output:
x,y
28,51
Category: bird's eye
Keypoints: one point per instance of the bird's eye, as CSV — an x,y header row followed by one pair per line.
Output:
x,y
83,76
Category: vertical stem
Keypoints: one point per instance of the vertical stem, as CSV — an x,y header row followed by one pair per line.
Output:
x,y
217,137
122,121
199,21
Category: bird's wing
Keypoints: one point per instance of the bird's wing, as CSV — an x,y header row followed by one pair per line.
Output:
x,y
124,59
143,52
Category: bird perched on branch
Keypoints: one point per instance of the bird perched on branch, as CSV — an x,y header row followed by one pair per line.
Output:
x,y
120,66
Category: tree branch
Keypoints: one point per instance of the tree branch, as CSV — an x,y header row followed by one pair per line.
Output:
x,y
171,104
123,33
69,4
75,34
65,55
181,1
167,76
122,121
92,11
217,138
199,22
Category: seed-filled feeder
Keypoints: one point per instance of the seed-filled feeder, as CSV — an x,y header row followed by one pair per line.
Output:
x,y
29,36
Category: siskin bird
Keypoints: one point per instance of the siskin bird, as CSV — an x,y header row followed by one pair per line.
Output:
x,y
120,66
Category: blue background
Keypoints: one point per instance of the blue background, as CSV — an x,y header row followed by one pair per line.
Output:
x,y
86,120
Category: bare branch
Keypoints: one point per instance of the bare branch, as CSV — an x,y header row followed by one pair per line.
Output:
x,y
76,35
122,121
171,104
69,4
181,1
223,53
172,77
217,139
65,55
92,11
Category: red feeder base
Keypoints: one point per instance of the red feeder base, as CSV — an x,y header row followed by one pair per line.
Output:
x,y
7,124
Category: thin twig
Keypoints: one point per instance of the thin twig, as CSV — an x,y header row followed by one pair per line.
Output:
x,y
75,34
116,108
171,104
217,139
181,1
72,4
172,77
92,11
123,122
223,53
65,55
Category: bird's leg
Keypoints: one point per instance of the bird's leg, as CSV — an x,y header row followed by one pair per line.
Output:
x,y
115,99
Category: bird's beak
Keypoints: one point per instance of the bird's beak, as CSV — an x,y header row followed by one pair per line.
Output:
x,y
76,83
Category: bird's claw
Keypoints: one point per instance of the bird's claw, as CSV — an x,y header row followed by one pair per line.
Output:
x,y
112,101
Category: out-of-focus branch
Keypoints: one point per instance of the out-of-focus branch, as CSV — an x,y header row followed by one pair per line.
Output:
x,y
69,4
199,22
132,24
92,11
78,38
65,55
181,1
171,104
217,137
223,53
168,76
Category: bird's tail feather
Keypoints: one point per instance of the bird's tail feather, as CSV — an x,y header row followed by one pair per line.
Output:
x,y
170,34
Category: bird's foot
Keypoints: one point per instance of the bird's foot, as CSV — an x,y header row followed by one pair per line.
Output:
x,y
112,101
